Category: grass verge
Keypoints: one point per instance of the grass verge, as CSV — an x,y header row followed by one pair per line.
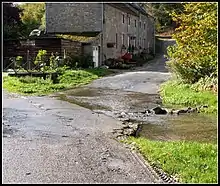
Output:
x,y
38,86
174,92
191,162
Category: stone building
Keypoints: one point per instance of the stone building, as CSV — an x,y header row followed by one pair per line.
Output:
x,y
117,27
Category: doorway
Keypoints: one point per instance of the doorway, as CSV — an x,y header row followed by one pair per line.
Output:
x,y
96,54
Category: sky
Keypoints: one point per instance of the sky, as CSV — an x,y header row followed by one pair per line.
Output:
x,y
25,2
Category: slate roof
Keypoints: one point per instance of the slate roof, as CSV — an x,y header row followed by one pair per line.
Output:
x,y
139,8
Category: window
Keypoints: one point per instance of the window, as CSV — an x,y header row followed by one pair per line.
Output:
x,y
144,25
140,24
144,43
123,18
135,23
123,39
134,42
128,41
129,20
110,45
116,40
140,42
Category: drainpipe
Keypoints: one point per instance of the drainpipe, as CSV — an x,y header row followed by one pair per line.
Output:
x,y
139,31
101,48
154,36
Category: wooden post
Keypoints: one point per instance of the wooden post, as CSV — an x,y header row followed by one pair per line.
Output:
x,y
28,61
14,62
64,53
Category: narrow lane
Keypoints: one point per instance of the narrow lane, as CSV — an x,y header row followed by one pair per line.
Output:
x,y
52,141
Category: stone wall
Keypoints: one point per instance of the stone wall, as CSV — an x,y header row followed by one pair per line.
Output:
x,y
73,17
150,29
162,44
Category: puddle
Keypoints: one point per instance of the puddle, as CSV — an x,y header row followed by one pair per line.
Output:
x,y
82,103
189,127
110,100
195,127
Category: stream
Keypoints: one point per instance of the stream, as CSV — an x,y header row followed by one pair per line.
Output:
x,y
113,102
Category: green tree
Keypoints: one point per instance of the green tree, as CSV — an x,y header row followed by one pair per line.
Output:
x,y
32,16
12,24
43,22
161,12
195,54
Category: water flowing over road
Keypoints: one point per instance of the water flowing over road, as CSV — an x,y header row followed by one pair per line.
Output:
x,y
49,140
52,141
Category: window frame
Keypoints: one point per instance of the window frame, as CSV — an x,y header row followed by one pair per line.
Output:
x,y
116,40
123,38
123,18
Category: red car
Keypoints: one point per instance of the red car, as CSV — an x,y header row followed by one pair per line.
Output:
x,y
127,57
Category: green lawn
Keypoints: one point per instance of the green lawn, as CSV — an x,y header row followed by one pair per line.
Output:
x,y
176,93
191,162
38,86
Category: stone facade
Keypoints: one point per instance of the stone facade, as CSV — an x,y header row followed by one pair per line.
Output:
x,y
130,28
116,24
73,17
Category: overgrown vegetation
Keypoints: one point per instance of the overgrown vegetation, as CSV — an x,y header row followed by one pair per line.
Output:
x,y
41,60
161,13
68,71
39,86
82,61
76,38
18,61
193,60
32,16
190,162
12,28
177,93
195,54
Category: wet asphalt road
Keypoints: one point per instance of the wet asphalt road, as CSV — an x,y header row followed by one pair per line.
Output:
x,y
145,79
52,141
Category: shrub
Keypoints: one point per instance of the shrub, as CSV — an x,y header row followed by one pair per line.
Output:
x,y
83,61
76,77
206,83
195,54
41,59
86,61
29,79
19,60
175,92
62,70
53,62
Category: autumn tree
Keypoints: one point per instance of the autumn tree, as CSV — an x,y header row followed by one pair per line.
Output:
x,y
32,16
195,54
